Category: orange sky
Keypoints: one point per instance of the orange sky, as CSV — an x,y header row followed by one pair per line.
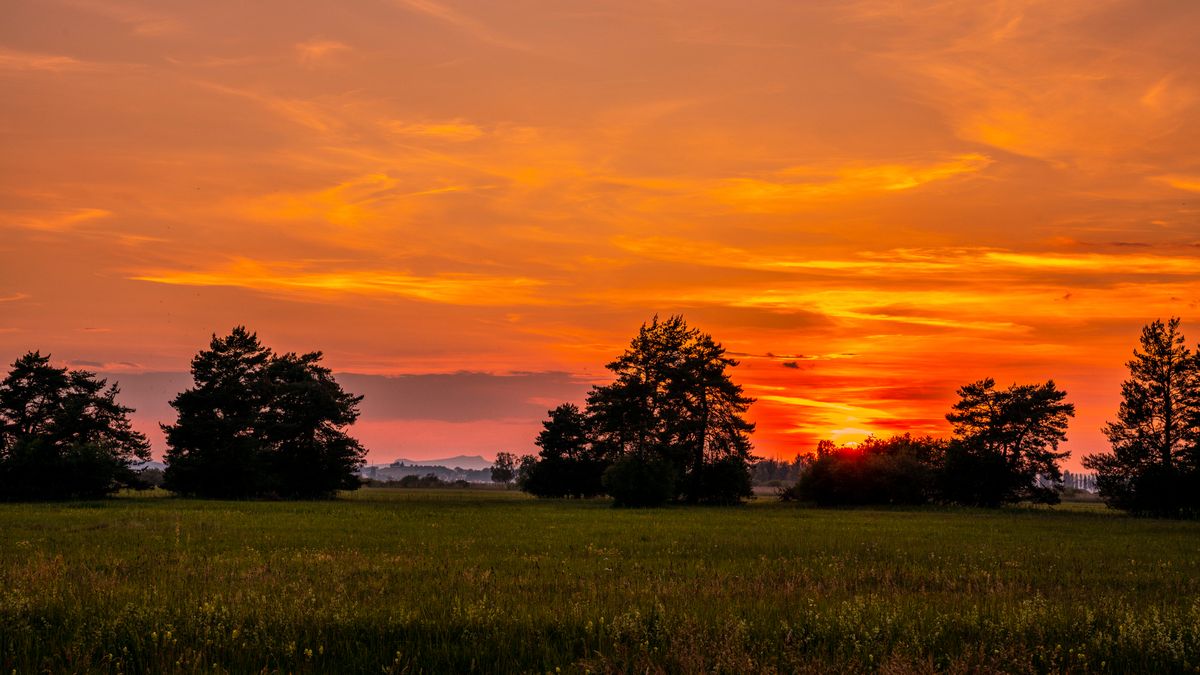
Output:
x,y
873,202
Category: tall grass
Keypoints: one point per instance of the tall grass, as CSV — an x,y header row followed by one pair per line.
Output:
x,y
463,581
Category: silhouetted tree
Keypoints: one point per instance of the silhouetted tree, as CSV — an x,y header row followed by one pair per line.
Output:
x,y
525,467
308,453
62,434
568,464
1154,466
504,469
673,400
258,424
1006,444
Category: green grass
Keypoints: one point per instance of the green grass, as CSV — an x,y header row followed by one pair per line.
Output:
x,y
460,581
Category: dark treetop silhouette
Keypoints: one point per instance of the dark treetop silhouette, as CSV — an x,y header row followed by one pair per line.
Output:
x,y
62,434
1005,446
669,426
1154,465
261,424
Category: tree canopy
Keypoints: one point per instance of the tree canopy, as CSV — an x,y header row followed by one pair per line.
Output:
x,y
261,424
62,434
568,464
1154,465
504,469
673,399
672,414
1005,446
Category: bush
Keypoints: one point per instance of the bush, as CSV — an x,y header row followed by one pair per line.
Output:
x,y
975,479
557,476
894,471
850,478
725,481
1157,491
636,482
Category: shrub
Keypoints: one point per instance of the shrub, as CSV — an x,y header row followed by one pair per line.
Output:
x,y
637,481
725,481
898,470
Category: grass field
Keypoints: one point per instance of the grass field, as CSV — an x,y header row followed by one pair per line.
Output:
x,y
461,581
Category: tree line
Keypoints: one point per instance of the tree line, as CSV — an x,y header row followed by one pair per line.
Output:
x,y
670,427
255,424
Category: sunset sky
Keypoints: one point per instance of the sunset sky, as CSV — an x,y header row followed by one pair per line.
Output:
x,y
470,206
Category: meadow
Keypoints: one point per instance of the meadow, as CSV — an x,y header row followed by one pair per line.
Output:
x,y
411,581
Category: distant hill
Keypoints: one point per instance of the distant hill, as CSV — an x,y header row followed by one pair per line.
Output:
x,y
473,462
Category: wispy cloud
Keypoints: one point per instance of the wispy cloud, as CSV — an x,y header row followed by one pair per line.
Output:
x,y
464,23
354,202
449,131
807,183
141,22
54,221
1182,182
311,52
929,263
11,59
309,280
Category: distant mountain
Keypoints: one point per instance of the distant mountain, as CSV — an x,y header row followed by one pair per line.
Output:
x,y
473,462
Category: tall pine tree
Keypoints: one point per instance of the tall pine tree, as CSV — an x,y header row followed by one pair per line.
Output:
x,y
1153,467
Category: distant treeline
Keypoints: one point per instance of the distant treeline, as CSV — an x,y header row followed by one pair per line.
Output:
x,y
398,471
776,472
429,480
670,427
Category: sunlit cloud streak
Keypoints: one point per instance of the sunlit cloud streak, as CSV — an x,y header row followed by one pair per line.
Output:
x,y
279,276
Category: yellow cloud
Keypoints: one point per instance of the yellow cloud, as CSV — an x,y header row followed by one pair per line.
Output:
x,y
350,203
1181,182
447,131
801,183
1098,262
905,262
297,278
58,221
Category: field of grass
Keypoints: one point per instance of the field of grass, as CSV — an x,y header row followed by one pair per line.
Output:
x,y
460,581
